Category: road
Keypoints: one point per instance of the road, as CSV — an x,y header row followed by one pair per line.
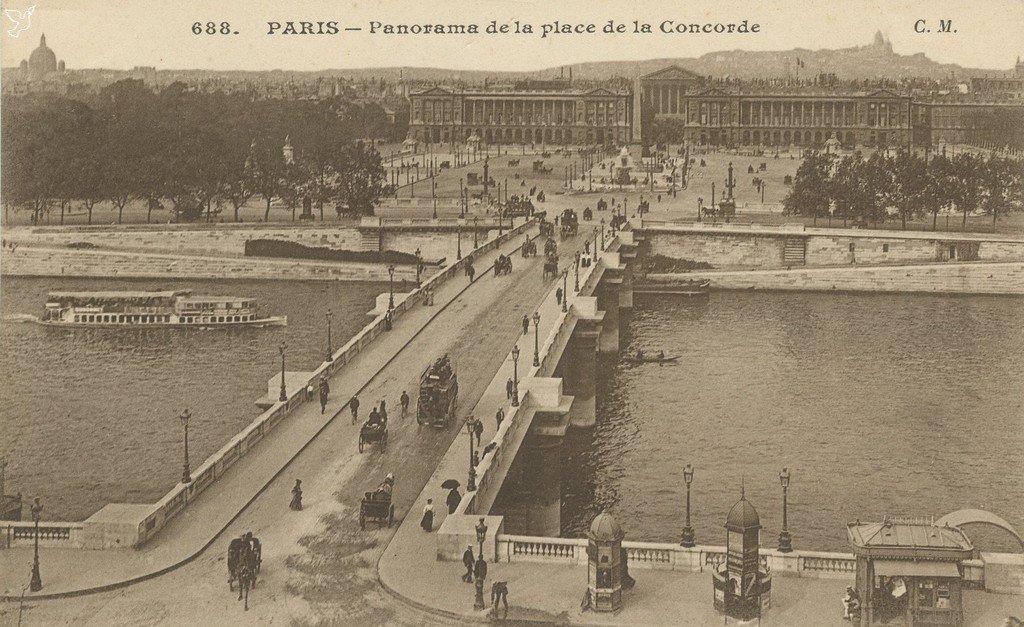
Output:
x,y
318,567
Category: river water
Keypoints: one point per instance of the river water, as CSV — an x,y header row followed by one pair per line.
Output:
x,y
90,416
877,404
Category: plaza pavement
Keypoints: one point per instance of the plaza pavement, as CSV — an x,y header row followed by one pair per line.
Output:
x,y
74,571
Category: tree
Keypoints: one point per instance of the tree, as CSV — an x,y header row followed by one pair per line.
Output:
x,y
265,169
810,193
1002,184
361,178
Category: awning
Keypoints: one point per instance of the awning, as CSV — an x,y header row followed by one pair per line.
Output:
x,y
894,568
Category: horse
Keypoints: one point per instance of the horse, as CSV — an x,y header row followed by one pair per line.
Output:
x,y
246,576
236,549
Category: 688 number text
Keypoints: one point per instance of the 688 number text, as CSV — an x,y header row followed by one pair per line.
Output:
x,y
213,28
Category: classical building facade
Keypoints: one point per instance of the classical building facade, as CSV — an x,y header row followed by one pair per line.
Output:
x,y
565,116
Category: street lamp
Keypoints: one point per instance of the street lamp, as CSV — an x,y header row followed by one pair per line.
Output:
x,y
565,291
419,267
37,582
476,219
515,376
688,539
471,484
330,347
186,476
284,393
536,339
481,534
458,250
577,272
391,287
602,233
785,541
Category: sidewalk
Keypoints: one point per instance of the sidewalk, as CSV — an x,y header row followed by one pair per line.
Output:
x,y
67,572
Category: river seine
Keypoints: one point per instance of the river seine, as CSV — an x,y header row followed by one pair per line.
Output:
x,y
90,416
877,404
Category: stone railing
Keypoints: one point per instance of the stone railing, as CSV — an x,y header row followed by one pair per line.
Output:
x,y
135,528
51,534
659,556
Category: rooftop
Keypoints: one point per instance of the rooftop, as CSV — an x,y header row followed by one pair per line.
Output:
x,y
897,534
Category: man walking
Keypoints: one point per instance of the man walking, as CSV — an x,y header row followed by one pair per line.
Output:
x,y
468,562
558,295
354,406
499,592
480,574
404,400
453,500
508,388
526,324
325,390
478,429
498,417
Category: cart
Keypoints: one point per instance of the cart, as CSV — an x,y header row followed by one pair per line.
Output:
x,y
368,434
439,389
376,506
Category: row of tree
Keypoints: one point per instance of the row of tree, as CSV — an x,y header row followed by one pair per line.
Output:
x,y
905,185
201,152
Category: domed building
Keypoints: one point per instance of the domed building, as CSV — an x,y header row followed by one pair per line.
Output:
x,y
42,62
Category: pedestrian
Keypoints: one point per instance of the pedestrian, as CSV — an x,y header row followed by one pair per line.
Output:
x,y
387,321
374,418
659,197
526,324
296,503
479,574
354,406
453,500
498,417
427,522
509,386
325,390
471,271
383,411
586,247
499,592
478,429
558,295
404,400
309,391
468,562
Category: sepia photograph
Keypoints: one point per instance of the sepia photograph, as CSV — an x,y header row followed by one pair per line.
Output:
x,y
579,313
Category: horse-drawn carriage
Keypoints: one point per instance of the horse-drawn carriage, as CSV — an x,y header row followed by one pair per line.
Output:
x,y
588,214
538,167
529,248
550,247
546,228
244,563
512,163
374,433
439,390
551,266
570,223
518,206
503,265
377,507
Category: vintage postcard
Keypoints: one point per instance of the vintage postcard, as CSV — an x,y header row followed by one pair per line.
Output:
x,y
580,312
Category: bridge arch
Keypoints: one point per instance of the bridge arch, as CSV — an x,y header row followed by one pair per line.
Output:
x,y
979,517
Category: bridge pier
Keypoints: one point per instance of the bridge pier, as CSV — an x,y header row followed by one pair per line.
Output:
x,y
608,302
577,365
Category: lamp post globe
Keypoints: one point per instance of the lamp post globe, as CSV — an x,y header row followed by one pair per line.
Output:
x,y
186,475
688,539
36,584
283,397
536,339
481,534
785,540
391,286
515,376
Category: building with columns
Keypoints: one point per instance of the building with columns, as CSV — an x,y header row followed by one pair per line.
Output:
x,y
522,116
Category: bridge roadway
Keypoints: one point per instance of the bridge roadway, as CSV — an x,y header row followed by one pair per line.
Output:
x,y
317,564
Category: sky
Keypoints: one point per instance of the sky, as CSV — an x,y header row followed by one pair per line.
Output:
x,y
120,34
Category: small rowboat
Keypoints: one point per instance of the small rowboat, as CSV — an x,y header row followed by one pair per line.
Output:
x,y
691,287
648,359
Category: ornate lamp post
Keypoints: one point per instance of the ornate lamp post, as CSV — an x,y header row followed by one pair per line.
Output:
x,y
476,219
37,582
565,291
391,287
480,566
419,267
330,347
186,475
481,534
785,541
602,233
284,393
536,339
471,484
688,539
515,376
500,222
458,249
576,279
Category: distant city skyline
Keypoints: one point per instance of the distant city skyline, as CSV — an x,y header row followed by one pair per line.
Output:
x,y
121,34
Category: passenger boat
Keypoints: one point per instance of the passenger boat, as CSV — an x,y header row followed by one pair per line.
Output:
x,y
689,287
169,308
650,359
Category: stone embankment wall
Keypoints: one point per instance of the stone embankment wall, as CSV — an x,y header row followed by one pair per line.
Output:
x,y
33,261
735,246
948,278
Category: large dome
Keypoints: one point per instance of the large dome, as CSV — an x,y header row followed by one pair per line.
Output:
x,y
42,61
605,529
742,516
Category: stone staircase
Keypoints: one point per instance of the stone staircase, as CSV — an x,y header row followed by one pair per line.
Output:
x,y
369,240
794,251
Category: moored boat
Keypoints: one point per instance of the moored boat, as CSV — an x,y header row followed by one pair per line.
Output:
x,y
688,287
168,308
